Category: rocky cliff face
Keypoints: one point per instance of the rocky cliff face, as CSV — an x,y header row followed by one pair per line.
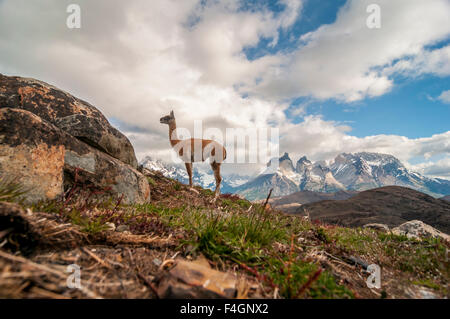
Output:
x,y
50,140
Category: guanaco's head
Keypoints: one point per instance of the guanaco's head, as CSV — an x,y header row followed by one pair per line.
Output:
x,y
168,118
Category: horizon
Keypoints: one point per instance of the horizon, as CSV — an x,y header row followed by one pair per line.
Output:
x,y
204,167
316,71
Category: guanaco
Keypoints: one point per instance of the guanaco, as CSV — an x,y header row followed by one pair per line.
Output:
x,y
189,151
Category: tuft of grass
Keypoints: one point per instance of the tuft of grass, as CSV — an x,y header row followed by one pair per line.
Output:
x,y
88,225
11,191
207,192
236,203
427,283
291,275
223,236
151,181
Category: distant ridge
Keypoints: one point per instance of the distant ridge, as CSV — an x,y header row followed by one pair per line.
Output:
x,y
390,205
290,203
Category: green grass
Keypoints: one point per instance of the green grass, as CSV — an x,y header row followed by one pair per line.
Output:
x,y
424,259
427,283
88,225
248,239
11,191
151,181
291,274
239,203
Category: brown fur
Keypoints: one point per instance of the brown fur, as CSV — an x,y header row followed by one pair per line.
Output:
x,y
190,144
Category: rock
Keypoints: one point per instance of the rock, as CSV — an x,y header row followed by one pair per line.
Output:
x,y
416,229
122,228
74,116
376,226
110,226
196,280
46,161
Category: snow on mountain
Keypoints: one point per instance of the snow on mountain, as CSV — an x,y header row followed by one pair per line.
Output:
x,y
358,171
200,177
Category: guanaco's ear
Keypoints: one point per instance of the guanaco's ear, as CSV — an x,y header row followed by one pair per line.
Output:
x,y
171,114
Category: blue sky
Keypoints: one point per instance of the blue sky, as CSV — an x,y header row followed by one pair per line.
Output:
x,y
407,110
410,108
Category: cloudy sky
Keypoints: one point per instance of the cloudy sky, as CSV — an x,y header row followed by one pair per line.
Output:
x,y
313,69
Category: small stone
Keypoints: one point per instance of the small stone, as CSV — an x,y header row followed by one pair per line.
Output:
x,y
376,226
157,262
196,280
122,228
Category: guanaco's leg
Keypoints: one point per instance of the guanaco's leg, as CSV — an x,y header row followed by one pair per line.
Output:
x,y
216,168
189,171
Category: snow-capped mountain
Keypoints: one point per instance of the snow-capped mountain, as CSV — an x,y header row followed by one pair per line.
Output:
x,y
362,171
359,171
202,178
286,179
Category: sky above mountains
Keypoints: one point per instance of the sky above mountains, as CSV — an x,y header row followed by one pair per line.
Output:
x,y
313,69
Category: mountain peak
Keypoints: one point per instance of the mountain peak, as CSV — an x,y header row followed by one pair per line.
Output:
x,y
285,157
303,159
286,163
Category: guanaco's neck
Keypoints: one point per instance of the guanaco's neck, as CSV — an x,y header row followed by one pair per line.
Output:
x,y
173,137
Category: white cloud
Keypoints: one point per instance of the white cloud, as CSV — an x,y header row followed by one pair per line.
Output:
x,y
439,169
445,97
348,61
436,62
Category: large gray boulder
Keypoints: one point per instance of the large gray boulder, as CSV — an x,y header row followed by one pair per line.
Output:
x,y
46,159
74,116
416,229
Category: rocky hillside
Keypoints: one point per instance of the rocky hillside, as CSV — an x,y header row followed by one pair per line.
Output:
x,y
174,245
390,205
350,172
